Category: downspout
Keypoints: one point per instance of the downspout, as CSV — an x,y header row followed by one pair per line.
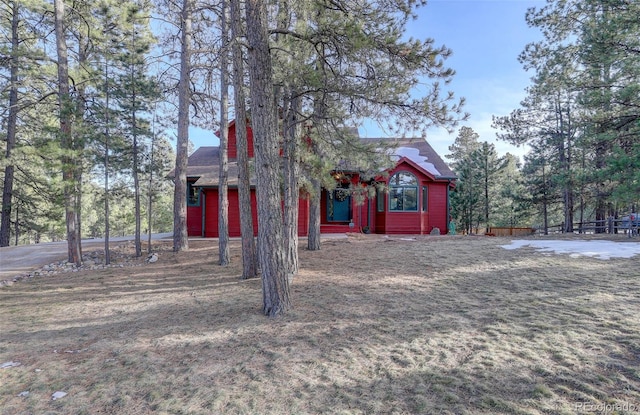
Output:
x,y
203,204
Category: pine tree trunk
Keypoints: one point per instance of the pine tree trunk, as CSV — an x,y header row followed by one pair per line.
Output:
x,y
68,160
150,189
313,240
180,236
136,177
291,179
107,223
223,184
249,251
12,121
271,255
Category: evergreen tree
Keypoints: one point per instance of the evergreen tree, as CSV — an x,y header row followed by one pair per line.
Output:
x,y
249,251
466,198
136,91
21,55
271,257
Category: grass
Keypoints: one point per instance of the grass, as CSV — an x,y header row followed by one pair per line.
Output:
x,y
436,325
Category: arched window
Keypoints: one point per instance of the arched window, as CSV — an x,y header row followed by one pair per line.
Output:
x,y
403,192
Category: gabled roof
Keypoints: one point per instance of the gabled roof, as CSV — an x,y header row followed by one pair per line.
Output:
x,y
203,164
421,153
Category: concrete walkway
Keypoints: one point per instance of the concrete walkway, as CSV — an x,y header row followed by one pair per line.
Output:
x,y
16,260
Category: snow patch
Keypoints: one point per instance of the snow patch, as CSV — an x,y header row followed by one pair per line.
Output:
x,y
413,154
595,249
57,395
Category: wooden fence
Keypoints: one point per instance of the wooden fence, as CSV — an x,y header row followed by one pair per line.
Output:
x,y
625,225
510,231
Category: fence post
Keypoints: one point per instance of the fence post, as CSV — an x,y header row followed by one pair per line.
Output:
x,y
610,224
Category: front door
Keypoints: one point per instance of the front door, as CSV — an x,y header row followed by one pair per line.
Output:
x,y
339,206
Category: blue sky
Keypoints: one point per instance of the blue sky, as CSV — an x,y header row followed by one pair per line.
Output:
x,y
486,37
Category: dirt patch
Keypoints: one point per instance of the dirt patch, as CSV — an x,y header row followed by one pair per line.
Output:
x,y
380,325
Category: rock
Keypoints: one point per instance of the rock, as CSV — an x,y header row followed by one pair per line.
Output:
x,y
152,258
23,394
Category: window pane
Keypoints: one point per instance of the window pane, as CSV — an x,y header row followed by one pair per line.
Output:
x,y
405,179
410,198
395,198
425,198
193,195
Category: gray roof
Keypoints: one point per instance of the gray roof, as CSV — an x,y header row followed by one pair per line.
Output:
x,y
427,158
204,163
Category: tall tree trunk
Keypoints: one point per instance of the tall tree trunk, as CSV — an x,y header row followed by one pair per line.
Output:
x,y
107,137
80,141
134,155
291,179
249,250
150,189
180,237
271,255
69,159
485,162
12,121
223,184
313,239
545,210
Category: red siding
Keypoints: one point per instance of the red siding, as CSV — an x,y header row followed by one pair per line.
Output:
x,y
194,218
438,206
417,222
211,217
233,148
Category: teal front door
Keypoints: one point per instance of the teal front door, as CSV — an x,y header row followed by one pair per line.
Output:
x,y
339,206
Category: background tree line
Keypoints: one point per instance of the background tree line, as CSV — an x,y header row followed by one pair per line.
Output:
x,y
579,122
82,141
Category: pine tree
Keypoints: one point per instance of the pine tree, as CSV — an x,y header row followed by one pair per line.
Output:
x,y
466,198
249,251
271,256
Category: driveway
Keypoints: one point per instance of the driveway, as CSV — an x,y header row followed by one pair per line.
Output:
x,y
16,260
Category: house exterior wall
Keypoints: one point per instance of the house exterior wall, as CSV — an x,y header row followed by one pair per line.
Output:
x,y
202,220
194,218
232,149
209,204
438,216
420,221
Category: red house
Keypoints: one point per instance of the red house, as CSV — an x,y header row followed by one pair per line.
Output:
x,y
417,200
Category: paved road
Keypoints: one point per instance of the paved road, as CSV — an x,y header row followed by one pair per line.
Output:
x,y
15,260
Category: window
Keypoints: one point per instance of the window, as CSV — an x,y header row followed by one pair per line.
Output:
x,y
425,198
193,195
403,192
380,200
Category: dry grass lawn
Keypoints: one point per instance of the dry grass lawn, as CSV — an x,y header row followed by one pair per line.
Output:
x,y
436,325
